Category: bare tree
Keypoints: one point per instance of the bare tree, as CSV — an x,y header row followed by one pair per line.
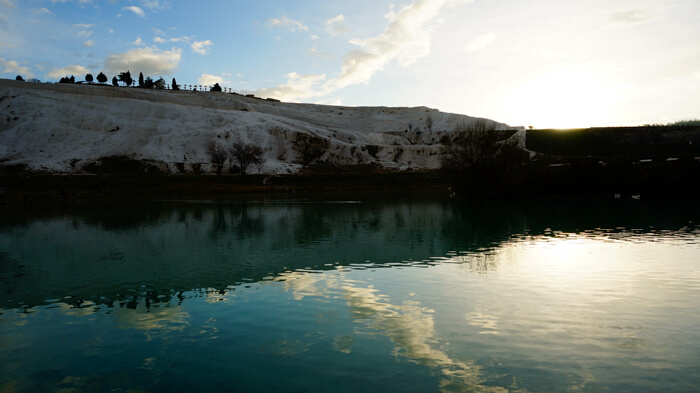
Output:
x,y
470,145
217,155
245,155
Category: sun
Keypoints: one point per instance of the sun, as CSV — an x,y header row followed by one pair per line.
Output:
x,y
561,98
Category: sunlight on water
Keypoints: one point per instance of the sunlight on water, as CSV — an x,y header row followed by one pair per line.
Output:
x,y
414,294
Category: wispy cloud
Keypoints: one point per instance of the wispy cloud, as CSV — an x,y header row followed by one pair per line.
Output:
x,y
284,22
163,40
479,42
70,1
201,47
336,26
43,11
136,10
8,3
405,40
155,4
89,44
632,17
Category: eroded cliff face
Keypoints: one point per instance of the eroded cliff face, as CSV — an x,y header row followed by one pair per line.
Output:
x,y
68,128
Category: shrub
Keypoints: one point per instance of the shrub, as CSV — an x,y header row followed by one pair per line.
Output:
x,y
470,145
245,155
217,155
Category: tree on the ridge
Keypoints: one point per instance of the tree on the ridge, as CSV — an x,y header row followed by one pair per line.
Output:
x,y
148,83
115,82
141,81
217,155
245,155
88,78
175,86
159,84
72,79
19,78
102,78
216,87
429,122
125,77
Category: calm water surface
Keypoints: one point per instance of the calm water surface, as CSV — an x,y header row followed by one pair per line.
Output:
x,y
400,294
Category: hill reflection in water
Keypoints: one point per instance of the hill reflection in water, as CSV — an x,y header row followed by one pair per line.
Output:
x,y
152,252
417,293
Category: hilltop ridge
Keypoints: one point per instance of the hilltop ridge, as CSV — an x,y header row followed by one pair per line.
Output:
x,y
65,128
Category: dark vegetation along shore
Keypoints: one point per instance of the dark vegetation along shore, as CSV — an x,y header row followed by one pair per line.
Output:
x,y
610,162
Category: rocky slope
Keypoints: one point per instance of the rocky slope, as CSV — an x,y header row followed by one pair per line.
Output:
x,y
65,128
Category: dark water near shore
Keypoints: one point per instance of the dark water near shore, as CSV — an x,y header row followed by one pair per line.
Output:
x,y
410,293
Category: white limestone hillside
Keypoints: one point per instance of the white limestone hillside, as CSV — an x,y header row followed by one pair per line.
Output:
x,y
61,128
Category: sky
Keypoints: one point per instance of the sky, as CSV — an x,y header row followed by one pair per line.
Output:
x,y
540,63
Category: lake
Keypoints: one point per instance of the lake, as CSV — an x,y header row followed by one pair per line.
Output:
x,y
412,292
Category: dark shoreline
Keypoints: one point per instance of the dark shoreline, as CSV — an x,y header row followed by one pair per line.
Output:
x,y
30,188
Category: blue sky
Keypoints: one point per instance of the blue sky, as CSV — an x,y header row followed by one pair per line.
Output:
x,y
546,63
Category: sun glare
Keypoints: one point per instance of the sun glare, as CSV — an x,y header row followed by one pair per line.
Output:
x,y
564,98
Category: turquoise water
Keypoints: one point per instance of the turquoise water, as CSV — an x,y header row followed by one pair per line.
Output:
x,y
411,293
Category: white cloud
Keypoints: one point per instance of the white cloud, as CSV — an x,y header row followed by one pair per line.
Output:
x,y
13,67
479,42
157,31
136,10
201,47
89,44
151,61
138,42
292,25
298,87
155,4
163,40
8,3
85,33
405,40
632,17
43,11
336,26
83,25
314,52
207,80
75,70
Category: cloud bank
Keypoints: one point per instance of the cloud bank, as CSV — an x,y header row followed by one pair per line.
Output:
x,y
75,70
150,61
13,67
